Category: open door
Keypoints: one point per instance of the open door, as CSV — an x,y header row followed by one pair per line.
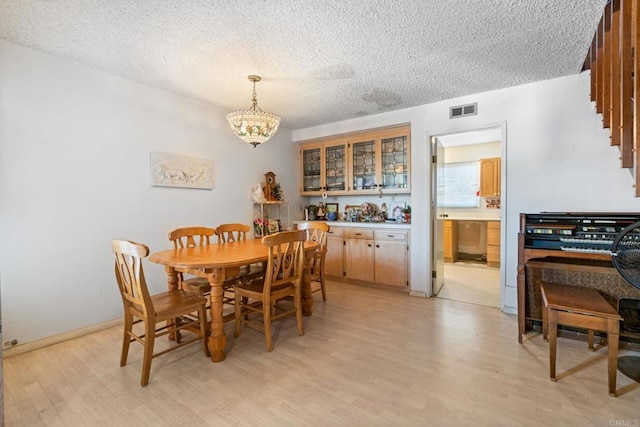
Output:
x,y
437,213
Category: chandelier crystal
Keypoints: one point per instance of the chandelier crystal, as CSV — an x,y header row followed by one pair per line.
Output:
x,y
254,125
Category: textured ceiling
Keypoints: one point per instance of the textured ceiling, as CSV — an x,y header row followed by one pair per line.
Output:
x,y
321,61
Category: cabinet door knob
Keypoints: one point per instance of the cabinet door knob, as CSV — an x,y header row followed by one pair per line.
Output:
x,y
377,246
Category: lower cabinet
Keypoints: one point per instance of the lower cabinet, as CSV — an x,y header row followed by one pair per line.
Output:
x,y
358,254
493,243
391,256
333,265
450,241
378,256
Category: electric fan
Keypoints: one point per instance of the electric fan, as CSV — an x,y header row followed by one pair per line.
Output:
x,y
625,254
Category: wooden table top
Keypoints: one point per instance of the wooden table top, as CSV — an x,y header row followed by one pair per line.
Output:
x,y
218,255
577,299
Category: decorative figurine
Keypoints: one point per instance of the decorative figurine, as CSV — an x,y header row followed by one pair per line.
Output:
x,y
258,194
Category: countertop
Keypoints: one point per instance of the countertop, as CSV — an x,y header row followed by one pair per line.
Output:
x,y
364,224
463,218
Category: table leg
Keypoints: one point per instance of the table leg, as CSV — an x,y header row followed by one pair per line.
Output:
x,y
590,335
613,335
172,284
307,297
217,338
552,319
172,277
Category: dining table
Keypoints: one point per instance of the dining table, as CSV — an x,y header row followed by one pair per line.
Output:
x,y
217,262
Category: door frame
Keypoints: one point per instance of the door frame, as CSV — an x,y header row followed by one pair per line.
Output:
x,y
503,199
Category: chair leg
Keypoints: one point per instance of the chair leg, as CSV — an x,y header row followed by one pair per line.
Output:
x,y
298,305
126,339
266,315
324,290
204,330
150,336
238,321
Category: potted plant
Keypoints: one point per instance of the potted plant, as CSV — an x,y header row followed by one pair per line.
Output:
x,y
260,227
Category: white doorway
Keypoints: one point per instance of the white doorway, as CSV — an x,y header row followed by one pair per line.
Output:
x,y
465,221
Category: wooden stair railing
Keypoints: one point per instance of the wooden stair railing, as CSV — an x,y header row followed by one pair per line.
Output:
x,y
613,66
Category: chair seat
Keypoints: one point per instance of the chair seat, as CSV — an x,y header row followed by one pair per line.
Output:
x,y
252,272
165,303
257,287
197,285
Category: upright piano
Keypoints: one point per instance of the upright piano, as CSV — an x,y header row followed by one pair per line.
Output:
x,y
570,249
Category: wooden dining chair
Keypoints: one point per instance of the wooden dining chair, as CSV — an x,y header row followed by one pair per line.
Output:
x,y
283,279
238,232
189,237
317,232
173,309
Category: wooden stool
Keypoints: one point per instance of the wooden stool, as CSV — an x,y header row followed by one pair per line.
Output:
x,y
581,308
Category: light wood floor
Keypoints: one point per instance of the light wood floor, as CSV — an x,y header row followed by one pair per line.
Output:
x,y
370,357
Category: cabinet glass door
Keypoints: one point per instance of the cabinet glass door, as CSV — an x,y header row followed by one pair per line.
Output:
x,y
394,162
311,170
364,165
335,168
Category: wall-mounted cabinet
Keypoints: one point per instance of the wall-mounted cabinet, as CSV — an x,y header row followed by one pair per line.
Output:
x,y
490,170
362,163
324,168
380,160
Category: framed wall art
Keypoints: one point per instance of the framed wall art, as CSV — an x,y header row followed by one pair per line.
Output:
x,y
331,207
171,170
274,225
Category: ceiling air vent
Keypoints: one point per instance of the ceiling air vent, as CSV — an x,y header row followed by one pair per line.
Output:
x,y
463,110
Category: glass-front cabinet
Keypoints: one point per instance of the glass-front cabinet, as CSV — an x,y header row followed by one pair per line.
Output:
x,y
311,166
324,168
380,161
363,159
395,162
362,163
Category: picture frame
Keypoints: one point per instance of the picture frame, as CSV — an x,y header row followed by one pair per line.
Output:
x,y
331,207
171,170
274,226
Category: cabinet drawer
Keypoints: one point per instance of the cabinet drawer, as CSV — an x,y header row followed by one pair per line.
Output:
x,y
399,236
335,231
358,233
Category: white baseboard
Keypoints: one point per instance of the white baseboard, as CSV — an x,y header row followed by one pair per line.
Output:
x,y
55,339
418,294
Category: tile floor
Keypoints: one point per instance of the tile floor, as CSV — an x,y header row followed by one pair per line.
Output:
x,y
472,283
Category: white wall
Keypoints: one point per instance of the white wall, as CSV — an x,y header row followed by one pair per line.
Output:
x,y
556,157
74,173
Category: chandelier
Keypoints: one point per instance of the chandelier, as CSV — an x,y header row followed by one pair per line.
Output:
x,y
253,125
